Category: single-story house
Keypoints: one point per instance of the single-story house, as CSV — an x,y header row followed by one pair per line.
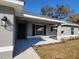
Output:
x,y
18,25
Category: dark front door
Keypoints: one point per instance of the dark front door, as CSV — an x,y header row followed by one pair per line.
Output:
x,y
21,31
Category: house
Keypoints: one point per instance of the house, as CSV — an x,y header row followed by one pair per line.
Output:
x,y
15,25
68,31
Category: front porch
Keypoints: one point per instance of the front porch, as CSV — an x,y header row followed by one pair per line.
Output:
x,y
29,29
30,33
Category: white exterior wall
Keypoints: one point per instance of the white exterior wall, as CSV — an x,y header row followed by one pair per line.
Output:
x,y
67,32
59,31
6,34
76,31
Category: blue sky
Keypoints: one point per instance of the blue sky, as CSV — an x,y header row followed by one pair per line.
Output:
x,y
34,6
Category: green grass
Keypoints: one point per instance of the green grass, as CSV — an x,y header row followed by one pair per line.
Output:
x,y
67,50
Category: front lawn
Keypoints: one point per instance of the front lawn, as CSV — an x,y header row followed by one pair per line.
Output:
x,y
67,50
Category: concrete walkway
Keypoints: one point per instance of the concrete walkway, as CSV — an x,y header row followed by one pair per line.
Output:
x,y
47,40
28,54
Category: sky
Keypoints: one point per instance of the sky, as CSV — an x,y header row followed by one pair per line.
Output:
x,y
34,6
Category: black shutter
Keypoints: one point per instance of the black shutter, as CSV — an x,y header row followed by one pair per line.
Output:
x,y
33,29
44,29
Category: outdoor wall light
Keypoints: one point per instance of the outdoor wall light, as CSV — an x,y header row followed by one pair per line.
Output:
x,y
4,21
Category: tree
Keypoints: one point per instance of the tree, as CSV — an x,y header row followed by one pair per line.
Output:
x,y
47,11
62,11
74,18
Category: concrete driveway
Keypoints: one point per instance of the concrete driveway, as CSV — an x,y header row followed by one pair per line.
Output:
x,y
23,48
28,54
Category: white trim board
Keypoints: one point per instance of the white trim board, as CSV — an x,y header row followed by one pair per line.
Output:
x,y
6,48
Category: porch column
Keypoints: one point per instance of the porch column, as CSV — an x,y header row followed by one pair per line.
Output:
x,y
59,29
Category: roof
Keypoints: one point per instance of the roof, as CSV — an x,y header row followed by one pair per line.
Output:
x,y
46,18
31,15
40,17
70,24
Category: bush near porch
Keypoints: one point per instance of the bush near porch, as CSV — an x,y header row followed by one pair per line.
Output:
x,y
67,50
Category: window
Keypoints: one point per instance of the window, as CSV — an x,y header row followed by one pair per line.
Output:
x,y
62,32
72,30
53,28
39,29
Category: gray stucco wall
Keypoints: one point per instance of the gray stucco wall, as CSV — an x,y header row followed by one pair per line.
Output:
x,y
48,29
6,33
29,29
49,32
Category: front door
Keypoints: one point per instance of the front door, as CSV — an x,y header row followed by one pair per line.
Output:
x,y
21,31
